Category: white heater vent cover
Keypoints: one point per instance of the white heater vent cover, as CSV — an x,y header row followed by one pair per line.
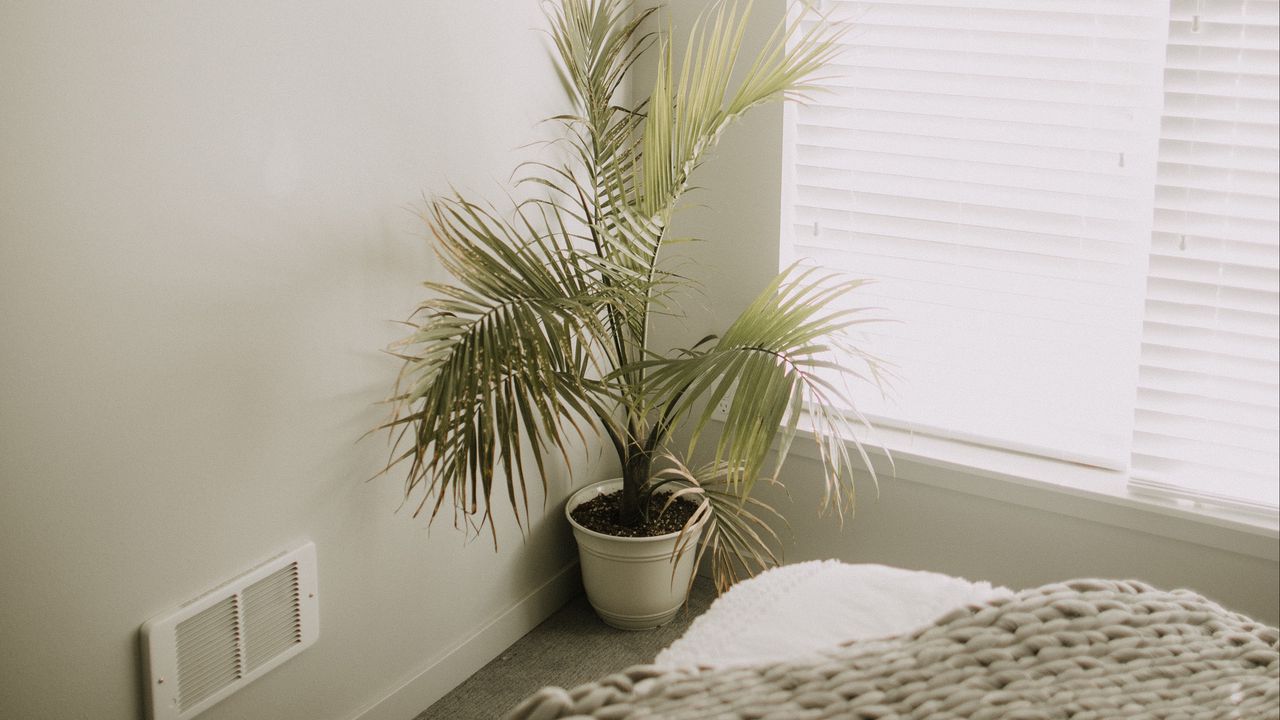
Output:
x,y
221,641
208,653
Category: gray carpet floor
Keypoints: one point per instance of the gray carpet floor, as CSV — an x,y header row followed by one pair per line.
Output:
x,y
569,648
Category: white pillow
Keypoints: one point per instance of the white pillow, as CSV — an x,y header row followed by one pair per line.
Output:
x,y
799,609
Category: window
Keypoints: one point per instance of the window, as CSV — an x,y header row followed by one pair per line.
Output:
x,y
1206,418
1071,206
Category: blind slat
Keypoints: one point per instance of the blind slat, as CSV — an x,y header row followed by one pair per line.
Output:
x,y
1207,425
991,164
1063,203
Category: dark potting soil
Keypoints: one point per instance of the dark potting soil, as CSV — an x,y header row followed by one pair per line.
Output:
x,y
600,514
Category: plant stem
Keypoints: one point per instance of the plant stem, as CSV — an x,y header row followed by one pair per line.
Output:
x,y
635,473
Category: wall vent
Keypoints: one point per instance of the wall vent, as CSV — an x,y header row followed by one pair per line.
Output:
x,y
221,641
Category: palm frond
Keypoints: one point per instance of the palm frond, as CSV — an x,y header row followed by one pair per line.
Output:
x,y
736,532
499,360
776,364
689,110
542,337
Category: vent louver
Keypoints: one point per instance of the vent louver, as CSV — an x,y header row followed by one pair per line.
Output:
x,y
216,644
272,619
208,653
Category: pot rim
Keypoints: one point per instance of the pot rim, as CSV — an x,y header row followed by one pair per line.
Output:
x,y
619,538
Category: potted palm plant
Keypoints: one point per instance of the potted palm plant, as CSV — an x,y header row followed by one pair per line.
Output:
x,y
543,338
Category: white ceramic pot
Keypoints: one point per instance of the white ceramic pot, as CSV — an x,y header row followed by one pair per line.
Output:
x,y
629,580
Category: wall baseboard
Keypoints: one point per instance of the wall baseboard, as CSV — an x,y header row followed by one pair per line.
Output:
x,y
464,659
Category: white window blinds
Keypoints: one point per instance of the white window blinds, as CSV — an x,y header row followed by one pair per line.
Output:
x,y
1206,424
991,164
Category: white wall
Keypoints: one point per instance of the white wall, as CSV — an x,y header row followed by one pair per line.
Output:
x,y
206,224
918,521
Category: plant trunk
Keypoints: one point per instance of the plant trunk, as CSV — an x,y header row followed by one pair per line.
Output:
x,y
635,473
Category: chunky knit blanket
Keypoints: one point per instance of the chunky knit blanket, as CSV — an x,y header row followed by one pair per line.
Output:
x,y
1082,649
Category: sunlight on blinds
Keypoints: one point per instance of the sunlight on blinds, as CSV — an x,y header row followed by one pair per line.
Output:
x,y
991,165
1209,394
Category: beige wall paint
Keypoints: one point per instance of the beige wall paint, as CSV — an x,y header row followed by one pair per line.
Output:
x,y
913,522
203,238
908,523
205,235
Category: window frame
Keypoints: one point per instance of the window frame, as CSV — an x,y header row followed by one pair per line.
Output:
x,y
1046,483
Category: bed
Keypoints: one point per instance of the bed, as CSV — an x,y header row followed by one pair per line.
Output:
x,y
829,640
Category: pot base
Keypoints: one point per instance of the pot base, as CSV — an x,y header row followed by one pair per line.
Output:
x,y
635,622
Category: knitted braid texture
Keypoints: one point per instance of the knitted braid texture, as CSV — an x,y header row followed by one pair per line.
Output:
x,y
1084,649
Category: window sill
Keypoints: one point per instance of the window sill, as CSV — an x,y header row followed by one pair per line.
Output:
x,y
1062,487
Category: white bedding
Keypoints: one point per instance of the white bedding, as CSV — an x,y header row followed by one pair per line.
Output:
x,y
795,610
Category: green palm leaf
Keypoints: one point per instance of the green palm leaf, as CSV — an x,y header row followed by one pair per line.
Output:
x,y
499,359
777,364
542,336
736,534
